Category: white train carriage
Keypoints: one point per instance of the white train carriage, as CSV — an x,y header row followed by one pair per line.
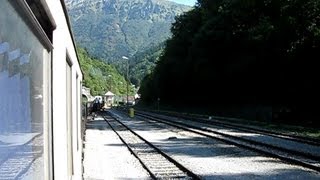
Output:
x,y
40,92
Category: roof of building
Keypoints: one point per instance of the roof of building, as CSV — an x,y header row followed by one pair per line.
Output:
x,y
109,93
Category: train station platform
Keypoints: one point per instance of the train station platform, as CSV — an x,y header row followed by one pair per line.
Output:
x,y
105,156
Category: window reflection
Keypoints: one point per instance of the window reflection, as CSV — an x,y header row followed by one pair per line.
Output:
x,y
22,58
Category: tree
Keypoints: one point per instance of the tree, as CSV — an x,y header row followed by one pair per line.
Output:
x,y
99,76
251,51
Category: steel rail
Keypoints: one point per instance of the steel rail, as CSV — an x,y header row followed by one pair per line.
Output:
x,y
177,164
227,140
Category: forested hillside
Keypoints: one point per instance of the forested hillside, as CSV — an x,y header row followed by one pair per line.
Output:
x,y
143,63
101,77
235,53
110,29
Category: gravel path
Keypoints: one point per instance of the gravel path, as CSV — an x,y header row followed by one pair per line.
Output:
x,y
105,156
212,159
278,142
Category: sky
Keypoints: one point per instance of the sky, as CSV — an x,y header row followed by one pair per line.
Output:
x,y
186,2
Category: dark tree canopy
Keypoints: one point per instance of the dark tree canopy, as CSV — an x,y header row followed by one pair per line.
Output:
x,y
236,52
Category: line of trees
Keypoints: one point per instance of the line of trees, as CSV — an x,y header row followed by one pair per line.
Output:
x,y
241,52
101,77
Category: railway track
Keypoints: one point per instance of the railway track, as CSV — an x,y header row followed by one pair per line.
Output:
x,y
241,128
156,162
305,159
234,124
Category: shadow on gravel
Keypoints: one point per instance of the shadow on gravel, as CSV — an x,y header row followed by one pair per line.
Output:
x,y
143,126
97,125
101,124
267,161
189,146
203,147
279,174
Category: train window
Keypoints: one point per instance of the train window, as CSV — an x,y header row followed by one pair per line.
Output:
x,y
25,59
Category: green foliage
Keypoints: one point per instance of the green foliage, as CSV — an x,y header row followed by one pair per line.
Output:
x,y
101,77
112,29
132,28
143,63
240,52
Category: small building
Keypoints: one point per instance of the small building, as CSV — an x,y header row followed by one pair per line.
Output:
x,y
109,99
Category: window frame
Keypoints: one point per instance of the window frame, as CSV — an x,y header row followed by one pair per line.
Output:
x,y
23,9
31,20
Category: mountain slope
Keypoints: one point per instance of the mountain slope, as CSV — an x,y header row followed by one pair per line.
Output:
x,y
110,29
143,63
99,76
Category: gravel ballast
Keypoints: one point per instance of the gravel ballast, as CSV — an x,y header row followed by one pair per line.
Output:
x,y
213,159
105,156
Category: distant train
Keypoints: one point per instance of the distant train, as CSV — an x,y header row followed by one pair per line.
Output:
x,y
40,92
97,104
